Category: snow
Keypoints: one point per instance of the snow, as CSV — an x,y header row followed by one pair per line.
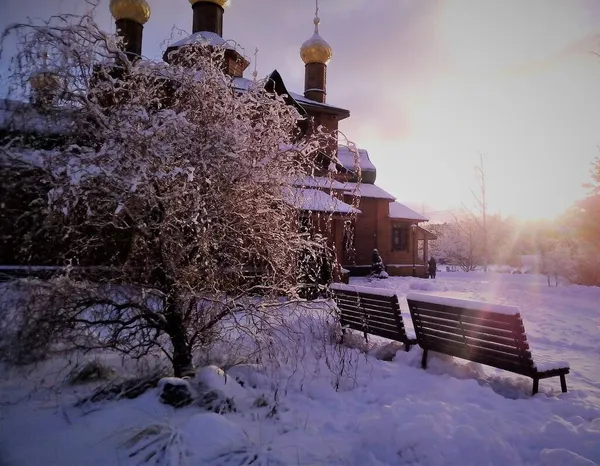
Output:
x,y
400,211
347,159
545,366
367,190
355,189
319,182
214,378
211,436
319,201
204,37
465,304
363,289
454,413
243,84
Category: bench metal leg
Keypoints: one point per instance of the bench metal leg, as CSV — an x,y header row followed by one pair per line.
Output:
x,y
407,347
536,386
424,359
563,383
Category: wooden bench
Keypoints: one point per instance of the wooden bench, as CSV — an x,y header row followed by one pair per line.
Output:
x,y
371,311
485,333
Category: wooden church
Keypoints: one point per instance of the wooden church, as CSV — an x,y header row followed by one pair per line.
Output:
x,y
366,217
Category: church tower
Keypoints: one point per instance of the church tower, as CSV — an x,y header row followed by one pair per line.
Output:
x,y
208,15
315,54
207,27
130,17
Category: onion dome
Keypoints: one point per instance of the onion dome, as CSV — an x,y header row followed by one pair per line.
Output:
x,y
133,10
221,3
316,49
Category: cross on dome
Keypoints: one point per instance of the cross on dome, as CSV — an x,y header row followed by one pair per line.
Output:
x,y
316,49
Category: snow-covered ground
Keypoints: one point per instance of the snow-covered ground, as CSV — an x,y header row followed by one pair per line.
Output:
x,y
454,413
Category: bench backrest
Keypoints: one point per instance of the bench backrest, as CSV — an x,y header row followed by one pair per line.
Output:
x,y
370,311
480,332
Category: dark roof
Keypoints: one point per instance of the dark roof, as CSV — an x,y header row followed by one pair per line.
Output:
x,y
306,104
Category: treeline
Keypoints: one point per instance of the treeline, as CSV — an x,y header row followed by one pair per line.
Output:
x,y
567,248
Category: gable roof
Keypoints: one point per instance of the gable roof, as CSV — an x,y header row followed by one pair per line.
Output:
x,y
322,107
400,211
366,190
315,200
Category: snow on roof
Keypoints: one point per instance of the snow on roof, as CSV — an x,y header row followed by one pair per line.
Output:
x,y
363,289
301,99
366,190
398,210
243,84
319,182
347,159
319,201
464,303
205,37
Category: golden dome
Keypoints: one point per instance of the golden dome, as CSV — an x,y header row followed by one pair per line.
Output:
x,y
221,3
134,10
316,49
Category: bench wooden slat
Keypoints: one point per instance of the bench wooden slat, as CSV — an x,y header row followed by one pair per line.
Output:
x,y
485,356
514,336
500,363
386,310
353,304
502,337
371,315
467,319
435,341
459,324
370,298
384,331
478,345
372,322
472,313
353,325
383,326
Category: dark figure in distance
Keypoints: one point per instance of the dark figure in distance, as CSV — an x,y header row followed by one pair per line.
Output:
x,y
432,267
377,264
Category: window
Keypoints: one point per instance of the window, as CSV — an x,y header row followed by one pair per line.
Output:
x,y
399,238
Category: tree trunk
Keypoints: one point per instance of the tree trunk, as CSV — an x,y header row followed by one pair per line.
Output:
x,y
183,364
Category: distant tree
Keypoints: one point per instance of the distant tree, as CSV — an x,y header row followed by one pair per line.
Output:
x,y
558,259
190,177
480,214
583,224
459,243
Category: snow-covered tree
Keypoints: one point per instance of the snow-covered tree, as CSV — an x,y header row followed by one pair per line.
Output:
x,y
171,178
459,243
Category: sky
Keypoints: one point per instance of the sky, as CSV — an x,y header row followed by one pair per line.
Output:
x,y
431,86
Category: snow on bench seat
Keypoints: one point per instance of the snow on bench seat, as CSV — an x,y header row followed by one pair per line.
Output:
x,y
363,289
465,304
547,365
